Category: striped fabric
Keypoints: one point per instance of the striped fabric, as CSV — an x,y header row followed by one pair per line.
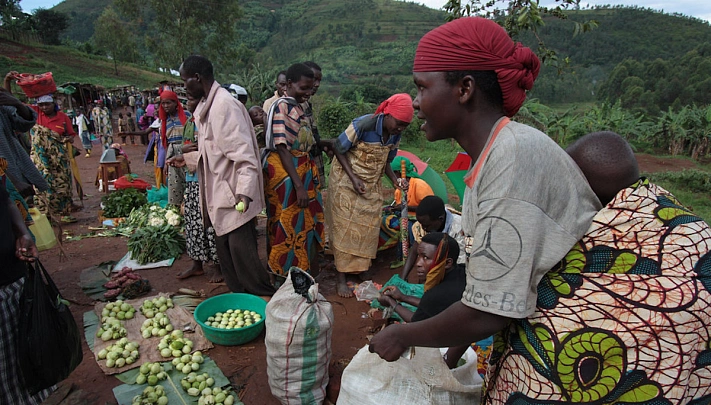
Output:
x,y
12,389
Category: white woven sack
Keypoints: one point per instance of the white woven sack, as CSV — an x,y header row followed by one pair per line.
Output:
x,y
298,341
423,380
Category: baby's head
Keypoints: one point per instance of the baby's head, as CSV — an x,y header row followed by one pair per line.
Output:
x,y
257,114
607,161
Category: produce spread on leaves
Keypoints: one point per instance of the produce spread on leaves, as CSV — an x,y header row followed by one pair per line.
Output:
x,y
149,308
175,345
188,363
159,325
120,353
233,319
151,395
214,396
194,383
151,373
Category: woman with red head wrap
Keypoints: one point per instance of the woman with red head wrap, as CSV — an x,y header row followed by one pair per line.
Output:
x,y
167,143
353,207
526,202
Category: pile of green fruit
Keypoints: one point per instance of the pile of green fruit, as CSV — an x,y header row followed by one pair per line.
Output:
x,y
216,396
175,345
119,310
188,363
233,319
120,353
151,395
159,325
194,383
151,373
150,308
111,329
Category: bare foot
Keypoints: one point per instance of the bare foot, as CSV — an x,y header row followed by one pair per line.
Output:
x,y
342,287
195,270
216,274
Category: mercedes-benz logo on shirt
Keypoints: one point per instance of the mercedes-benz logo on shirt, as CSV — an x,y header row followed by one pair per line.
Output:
x,y
501,245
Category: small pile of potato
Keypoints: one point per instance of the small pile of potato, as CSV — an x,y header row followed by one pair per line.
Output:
x,y
233,319
194,383
159,325
111,329
175,345
119,310
120,353
187,363
151,395
151,373
159,304
216,395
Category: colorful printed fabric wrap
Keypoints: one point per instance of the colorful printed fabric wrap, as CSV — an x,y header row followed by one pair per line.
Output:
x,y
294,233
623,318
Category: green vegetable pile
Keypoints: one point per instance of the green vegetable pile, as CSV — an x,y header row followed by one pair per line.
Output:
x,y
120,203
152,244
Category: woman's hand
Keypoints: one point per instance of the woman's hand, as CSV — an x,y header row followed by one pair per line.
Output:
x,y
402,184
358,184
190,147
25,248
302,197
394,292
176,161
387,301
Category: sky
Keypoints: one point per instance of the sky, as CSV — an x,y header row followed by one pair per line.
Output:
x,y
695,8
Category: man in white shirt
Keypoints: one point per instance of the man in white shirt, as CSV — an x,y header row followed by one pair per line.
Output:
x,y
83,129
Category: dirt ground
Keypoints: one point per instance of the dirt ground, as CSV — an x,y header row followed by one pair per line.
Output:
x,y
245,366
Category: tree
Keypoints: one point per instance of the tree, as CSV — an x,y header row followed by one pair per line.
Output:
x,y
49,24
9,10
180,28
113,35
520,16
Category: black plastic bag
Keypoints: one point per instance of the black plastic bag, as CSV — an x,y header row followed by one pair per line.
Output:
x,y
49,344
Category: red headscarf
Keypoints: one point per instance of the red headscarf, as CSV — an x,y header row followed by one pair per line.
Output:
x,y
399,106
475,43
163,115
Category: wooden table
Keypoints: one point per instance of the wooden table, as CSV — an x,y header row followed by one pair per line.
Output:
x,y
107,168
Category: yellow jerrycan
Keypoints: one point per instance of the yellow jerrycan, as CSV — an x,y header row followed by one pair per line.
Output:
x,y
44,234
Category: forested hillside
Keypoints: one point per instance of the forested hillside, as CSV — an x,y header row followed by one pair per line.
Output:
x,y
367,46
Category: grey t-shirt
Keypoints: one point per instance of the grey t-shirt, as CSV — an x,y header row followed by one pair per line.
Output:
x,y
528,205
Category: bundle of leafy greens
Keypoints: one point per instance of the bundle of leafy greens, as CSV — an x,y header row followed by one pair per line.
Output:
x,y
120,203
152,244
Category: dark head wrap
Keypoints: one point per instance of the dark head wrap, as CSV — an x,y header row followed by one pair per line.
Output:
x,y
475,43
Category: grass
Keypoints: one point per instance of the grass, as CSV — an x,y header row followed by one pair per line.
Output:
x,y
71,65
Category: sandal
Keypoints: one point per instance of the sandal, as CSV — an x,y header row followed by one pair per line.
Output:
x,y
68,219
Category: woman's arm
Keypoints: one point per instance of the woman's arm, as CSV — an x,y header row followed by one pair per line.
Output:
x,y
25,248
358,184
285,156
404,313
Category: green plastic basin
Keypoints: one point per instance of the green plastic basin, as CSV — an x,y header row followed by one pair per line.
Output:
x,y
221,303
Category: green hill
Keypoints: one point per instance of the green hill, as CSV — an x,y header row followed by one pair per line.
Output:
x,y
372,42
70,65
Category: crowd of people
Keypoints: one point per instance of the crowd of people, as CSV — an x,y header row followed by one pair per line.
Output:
x,y
593,281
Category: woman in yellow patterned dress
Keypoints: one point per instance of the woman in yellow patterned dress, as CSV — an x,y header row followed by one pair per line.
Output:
x,y
353,208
